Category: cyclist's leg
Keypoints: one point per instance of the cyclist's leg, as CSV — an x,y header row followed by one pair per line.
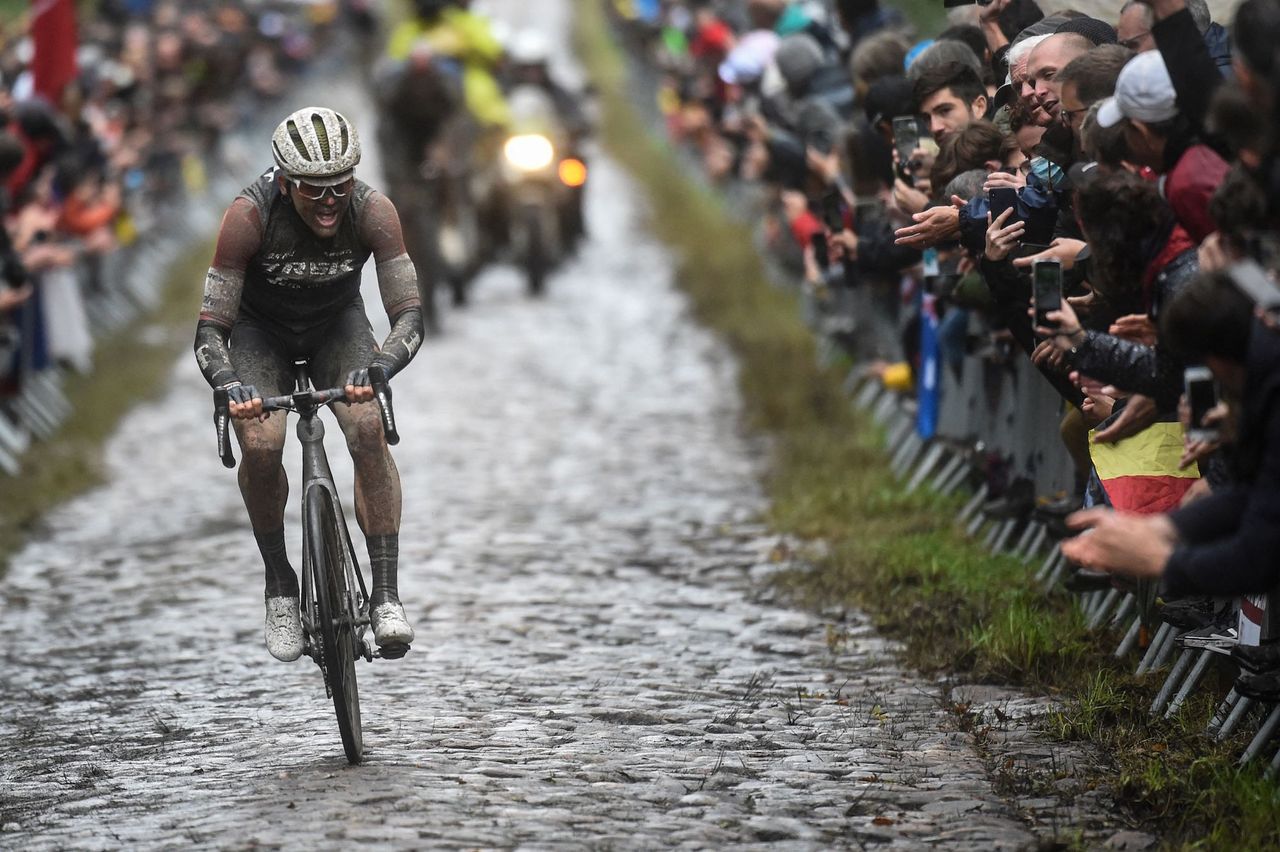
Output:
x,y
348,344
261,359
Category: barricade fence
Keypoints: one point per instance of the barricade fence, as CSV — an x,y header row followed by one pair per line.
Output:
x,y
182,160
993,432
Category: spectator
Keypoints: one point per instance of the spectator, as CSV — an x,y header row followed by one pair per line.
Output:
x,y
1044,63
863,18
876,57
1160,138
950,95
1133,30
1088,79
1224,544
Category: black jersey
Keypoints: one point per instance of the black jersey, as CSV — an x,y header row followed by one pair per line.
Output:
x,y
297,280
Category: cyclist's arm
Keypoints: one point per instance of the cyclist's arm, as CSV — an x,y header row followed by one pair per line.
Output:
x,y
397,282
238,240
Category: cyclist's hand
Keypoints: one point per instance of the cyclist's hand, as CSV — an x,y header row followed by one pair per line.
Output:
x,y
244,402
358,388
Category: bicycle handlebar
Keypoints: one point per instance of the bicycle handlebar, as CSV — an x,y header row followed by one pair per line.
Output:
x,y
310,399
382,392
222,425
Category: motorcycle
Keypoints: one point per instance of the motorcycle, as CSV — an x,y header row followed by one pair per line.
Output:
x,y
542,187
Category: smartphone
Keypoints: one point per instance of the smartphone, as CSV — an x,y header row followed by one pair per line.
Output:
x,y
1001,199
1202,396
1046,277
906,139
833,212
1251,279
821,250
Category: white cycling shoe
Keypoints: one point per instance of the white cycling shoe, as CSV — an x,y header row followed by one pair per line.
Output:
x,y
390,625
284,628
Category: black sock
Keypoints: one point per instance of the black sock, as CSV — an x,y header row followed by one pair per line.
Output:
x,y
384,554
281,579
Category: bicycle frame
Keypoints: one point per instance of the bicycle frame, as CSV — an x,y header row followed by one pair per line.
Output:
x,y
316,473
342,594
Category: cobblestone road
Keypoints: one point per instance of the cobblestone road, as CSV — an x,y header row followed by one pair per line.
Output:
x,y
597,664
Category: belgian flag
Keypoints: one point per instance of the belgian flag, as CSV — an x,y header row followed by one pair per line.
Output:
x,y
1140,474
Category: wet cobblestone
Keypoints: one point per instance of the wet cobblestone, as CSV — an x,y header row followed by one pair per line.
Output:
x,y
595,665
598,664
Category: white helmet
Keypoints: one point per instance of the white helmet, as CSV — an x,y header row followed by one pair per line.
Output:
x,y
317,145
530,47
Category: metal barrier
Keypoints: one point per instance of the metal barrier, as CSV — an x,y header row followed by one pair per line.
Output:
x,y
1005,408
1110,610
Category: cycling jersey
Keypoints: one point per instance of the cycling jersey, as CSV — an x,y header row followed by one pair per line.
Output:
x,y
271,270
295,280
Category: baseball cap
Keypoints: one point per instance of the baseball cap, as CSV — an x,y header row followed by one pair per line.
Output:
x,y
1143,92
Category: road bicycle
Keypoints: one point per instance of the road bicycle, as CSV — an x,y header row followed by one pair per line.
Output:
x,y
334,604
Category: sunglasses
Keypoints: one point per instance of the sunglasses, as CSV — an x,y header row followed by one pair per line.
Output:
x,y
1133,43
311,192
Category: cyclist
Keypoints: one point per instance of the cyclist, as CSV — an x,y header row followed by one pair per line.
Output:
x,y
285,284
452,30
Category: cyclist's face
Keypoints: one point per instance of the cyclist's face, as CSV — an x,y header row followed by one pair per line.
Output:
x,y
320,208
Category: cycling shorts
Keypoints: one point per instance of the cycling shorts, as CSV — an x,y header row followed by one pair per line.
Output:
x,y
263,352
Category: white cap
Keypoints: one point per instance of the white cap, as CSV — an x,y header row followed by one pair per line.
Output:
x,y
1143,92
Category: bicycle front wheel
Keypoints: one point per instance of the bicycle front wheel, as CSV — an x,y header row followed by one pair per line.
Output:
x,y
337,631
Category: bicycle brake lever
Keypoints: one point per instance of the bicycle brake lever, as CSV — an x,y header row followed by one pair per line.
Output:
x,y
382,392
221,424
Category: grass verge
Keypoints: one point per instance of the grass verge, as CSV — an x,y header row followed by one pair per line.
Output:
x,y
136,359
897,556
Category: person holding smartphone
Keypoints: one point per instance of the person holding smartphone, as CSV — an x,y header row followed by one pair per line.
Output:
x,y
1121,211
1225,543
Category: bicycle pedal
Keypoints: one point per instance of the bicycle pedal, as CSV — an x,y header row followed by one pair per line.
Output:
x,y
393,650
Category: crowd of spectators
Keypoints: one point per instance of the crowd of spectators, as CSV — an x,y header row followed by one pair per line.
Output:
x,y
1133,159
99,163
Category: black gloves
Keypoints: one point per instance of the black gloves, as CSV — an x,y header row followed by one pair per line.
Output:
x,y
241,394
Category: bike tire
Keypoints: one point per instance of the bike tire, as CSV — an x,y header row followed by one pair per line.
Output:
x,y
337,633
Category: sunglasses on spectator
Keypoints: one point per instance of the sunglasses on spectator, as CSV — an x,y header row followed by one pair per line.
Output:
x,y
311,192
1132,43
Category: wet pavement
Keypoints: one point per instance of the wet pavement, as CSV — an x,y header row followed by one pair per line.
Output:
x,y
598,664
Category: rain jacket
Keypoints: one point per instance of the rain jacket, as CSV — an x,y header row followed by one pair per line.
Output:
x,y
466,38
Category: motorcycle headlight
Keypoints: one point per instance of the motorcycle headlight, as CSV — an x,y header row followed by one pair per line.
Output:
x,y
531,152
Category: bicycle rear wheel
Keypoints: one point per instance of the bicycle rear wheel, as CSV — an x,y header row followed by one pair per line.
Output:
x,y
337,632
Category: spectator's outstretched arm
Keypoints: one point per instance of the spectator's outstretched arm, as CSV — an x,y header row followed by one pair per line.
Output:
x,y
238,240
1011,295
1245,561
878,254
1133,367
397,283
1194,73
